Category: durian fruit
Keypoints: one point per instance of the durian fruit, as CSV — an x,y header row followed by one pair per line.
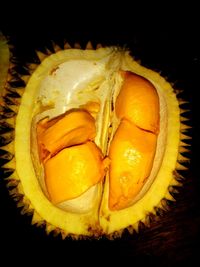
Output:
x,y
91,141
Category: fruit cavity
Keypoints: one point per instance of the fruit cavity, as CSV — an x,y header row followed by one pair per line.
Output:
x,y
72,161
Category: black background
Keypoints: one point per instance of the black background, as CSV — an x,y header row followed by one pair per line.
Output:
x,y
166,42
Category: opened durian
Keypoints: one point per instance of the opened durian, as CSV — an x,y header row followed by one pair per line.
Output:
x,y
97,140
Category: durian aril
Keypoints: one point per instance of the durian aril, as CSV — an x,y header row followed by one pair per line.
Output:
x,y
138,102
133,146
69,174
74,128
41,99
131,154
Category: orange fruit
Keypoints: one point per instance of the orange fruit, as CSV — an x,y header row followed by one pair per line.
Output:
x,y
133,147
131,153
138,102
73,171
70,129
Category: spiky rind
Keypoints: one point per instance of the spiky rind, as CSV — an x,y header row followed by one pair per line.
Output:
x,y
11,92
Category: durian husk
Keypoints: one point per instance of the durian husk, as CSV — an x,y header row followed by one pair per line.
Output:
x,y
157,194
29,195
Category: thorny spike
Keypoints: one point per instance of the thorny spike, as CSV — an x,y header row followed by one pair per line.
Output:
x,y
99,46
89,46
67,46
41,55
56,47
77,46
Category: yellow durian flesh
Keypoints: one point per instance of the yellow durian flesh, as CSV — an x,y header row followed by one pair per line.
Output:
x,y
82,77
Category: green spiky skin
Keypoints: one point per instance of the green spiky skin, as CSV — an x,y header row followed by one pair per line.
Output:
x,y
13,82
